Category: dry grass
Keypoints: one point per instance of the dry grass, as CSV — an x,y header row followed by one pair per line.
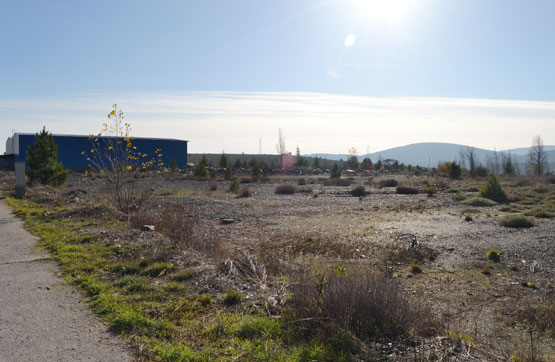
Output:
x,y
173,221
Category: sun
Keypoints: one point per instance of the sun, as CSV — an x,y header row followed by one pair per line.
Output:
x,y
390,10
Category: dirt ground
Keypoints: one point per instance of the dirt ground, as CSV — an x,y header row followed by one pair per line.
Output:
x,y
479,303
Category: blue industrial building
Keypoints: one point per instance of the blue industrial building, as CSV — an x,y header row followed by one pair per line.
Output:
x,y
71,146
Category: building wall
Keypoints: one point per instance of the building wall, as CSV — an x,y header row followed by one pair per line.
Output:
x,y
70,148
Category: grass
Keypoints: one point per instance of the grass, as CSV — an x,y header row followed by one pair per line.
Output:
x,y
479,202
516,221
145,300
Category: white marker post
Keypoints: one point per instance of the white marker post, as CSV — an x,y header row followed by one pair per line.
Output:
x,y
19,180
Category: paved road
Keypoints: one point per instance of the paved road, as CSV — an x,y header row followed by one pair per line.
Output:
x,y
41,318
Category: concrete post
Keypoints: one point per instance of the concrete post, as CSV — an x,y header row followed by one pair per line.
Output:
x,y
19,180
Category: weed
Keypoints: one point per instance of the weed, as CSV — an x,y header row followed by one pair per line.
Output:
x,y
493,255
485,272
513,268
285,190
213,187
516,221
232,297
134,284
205,300
468,218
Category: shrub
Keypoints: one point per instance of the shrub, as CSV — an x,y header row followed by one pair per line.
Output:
x,y
246,180
415,269
541,214
355,302
244,192
232,297
213,187
468,218
301,182
337,182
492,190
479,202
459,197
42,159
517,221
335,171
233,186
358,191
405,190
200,171
285,190
387,183
454,171
493,255
430,191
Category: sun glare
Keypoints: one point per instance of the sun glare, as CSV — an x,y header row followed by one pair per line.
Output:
x,y
392,10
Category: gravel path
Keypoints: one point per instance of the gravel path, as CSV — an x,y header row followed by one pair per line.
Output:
x,y
41,318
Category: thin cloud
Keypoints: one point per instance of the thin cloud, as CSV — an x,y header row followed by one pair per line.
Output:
x,y
317,122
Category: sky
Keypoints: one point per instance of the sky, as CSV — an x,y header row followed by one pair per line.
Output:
x,y
332,74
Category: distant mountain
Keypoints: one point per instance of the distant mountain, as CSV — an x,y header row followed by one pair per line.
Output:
x,y
429,154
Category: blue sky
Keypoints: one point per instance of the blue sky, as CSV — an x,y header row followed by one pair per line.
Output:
x,y
168,57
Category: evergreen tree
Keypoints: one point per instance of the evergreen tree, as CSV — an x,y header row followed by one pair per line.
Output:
x,y
316,162
42,159
173,165
223,163
237,164
335,171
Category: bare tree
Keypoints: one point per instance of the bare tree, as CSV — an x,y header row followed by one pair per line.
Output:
x,y
537,157
492,162
280,146
468,157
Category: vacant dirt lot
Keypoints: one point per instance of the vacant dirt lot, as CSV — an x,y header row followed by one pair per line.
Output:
x,y
487,308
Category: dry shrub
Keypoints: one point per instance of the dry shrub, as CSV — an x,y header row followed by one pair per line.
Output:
x,y
359,191
173,221
246,180
390,182
357,302
301,182
524,181
285,190
405,190
244,192
337,182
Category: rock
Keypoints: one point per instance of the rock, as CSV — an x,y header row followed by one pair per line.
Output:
x,y
147,228
227,221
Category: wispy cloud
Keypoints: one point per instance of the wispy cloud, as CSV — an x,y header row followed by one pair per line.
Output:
x,y
316,122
